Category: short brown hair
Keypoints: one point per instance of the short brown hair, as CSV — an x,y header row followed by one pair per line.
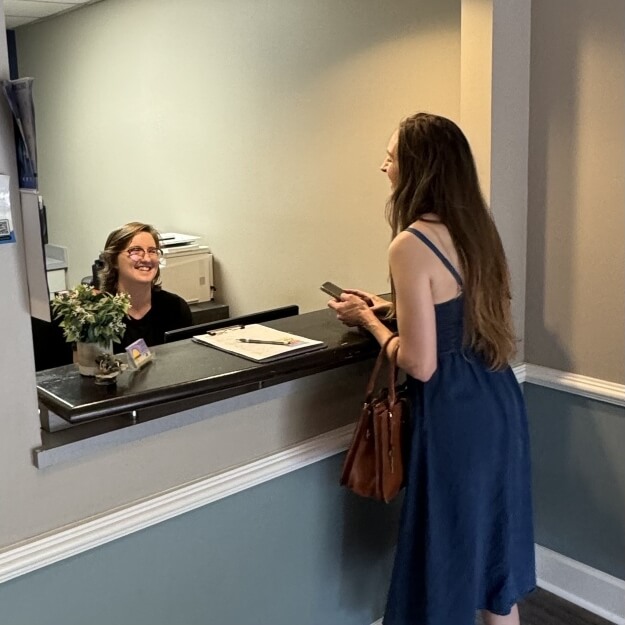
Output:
x,y
117,242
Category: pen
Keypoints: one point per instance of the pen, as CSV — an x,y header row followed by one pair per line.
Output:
x,y
261,342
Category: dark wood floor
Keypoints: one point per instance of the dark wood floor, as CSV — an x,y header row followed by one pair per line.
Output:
x,y
543,608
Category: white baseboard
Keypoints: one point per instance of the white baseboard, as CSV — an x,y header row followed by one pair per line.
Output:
x,y
593,388
582,585
519,372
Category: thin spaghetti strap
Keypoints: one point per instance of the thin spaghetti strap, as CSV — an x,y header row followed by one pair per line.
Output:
x,y
440,255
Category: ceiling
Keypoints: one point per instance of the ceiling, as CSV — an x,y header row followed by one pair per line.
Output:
x,y
19,12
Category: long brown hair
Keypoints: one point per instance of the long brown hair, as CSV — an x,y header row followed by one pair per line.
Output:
x,y
437,175
116,243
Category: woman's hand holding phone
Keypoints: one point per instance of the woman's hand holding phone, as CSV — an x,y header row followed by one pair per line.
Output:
x,y
355,307
377,304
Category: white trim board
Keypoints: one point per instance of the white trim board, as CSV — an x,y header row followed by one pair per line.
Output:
x,y
582,585
519,372
593,388
65,542
589,588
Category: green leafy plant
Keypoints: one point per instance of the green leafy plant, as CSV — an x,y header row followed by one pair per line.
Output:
x,y
90,316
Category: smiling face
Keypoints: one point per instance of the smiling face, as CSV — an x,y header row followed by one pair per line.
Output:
x,y
389,164
138,263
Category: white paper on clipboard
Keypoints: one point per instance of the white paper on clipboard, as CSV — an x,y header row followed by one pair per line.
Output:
x,y
229,340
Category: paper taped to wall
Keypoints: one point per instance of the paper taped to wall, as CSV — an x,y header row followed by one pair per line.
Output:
x,y
7,233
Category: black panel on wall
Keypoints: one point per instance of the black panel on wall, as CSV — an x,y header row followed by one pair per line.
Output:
x,y
11,45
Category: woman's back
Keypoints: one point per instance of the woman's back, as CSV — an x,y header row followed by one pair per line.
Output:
x,y
444,285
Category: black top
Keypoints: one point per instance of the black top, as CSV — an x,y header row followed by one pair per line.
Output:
x,y
51,348
168,312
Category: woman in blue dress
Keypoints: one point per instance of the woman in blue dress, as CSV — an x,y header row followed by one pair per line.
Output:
x,y
466,539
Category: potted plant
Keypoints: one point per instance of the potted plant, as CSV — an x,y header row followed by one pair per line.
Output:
x,y
93,320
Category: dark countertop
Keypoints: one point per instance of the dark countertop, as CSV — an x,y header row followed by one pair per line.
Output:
x,y
185,374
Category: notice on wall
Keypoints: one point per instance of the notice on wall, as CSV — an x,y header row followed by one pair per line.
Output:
x,y
7,232
19,96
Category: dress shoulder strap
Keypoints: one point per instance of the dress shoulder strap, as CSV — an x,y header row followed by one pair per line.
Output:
x,y
440,255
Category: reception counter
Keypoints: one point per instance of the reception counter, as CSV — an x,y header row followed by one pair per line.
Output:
x,y
183,376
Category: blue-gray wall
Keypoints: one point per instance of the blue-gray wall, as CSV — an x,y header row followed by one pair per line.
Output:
x,y
578,449
298,550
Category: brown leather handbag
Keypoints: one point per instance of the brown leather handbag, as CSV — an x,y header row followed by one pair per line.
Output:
x,y
374,466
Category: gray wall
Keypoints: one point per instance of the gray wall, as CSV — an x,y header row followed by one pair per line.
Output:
x,y
251,124
301,550
298,550
560,333
225,434
575,291
575,303
236,432
575,298
578,477
47,499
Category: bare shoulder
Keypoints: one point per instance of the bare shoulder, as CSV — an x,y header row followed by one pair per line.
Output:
x,y
403,243
431,229
405,248
440,236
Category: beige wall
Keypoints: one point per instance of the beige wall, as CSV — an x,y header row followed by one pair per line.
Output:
x,y
259,126
575,307
494,111
262,176
575,280
281,179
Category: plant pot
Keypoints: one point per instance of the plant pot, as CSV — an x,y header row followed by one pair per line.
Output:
x,y
86,354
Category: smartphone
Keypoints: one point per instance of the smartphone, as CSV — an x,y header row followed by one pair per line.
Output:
x,y
331,289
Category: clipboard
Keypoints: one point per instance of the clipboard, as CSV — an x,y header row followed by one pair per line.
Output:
x,y
232,340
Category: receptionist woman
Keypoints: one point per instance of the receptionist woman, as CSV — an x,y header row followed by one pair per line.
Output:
x,y
131,259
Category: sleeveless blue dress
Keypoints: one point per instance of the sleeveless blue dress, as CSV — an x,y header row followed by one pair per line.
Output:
x,y
466,537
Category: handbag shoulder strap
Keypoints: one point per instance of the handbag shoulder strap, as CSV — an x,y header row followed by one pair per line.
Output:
x,y
392,371
378,365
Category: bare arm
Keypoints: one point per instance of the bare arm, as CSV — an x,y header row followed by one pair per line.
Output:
x,y
415,309
416,321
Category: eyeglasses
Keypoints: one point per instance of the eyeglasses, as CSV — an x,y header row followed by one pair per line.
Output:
x,y
138,253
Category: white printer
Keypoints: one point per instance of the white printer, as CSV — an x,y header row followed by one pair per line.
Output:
x,y
187,267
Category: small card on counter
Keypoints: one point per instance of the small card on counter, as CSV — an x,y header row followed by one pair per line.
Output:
x,y
139,354
258,342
